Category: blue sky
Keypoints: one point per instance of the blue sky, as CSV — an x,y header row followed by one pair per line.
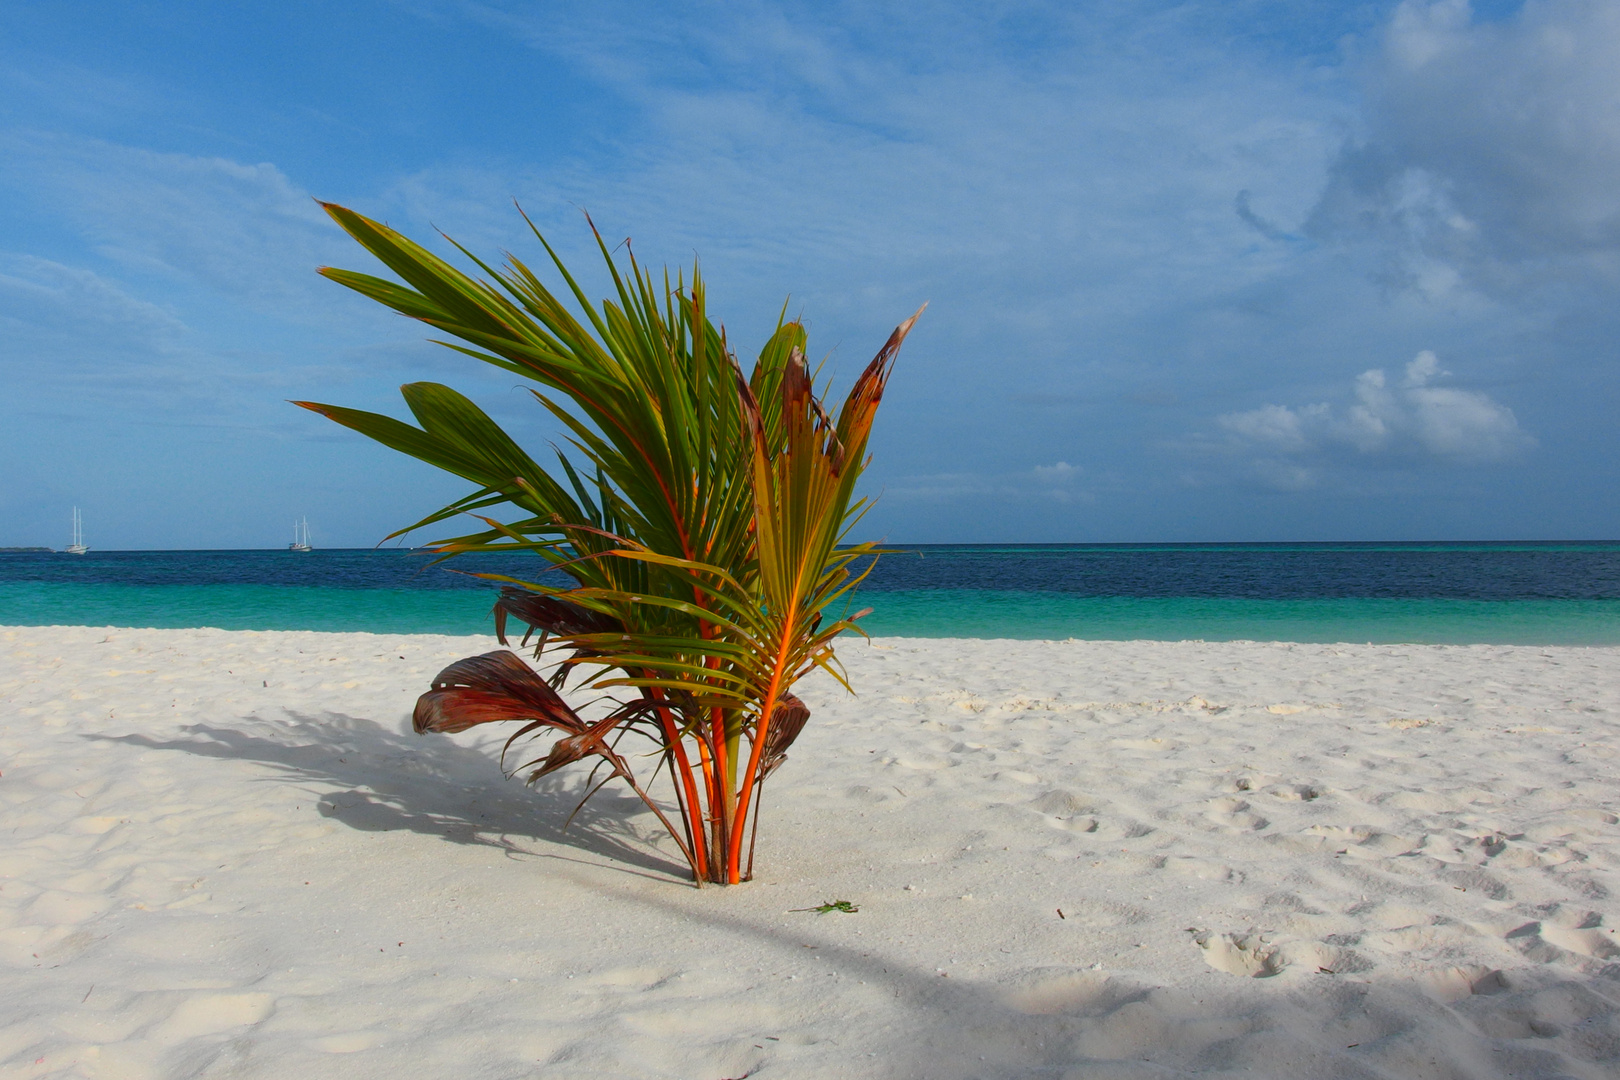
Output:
x,y
1254,270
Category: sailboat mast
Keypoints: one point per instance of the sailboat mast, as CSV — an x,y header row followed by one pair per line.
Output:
x,y
77,547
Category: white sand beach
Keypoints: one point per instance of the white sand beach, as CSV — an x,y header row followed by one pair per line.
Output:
x,y
225,855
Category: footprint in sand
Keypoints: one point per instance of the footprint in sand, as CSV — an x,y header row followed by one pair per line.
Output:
x,y
1294,792
210,1013
56,907
1363,841
1074,995
1476,881
1547,942
1457,983
1204,869
1067,810
1256,956
1596,942
1234,814
1250,955
349,1042
1414,939
633,978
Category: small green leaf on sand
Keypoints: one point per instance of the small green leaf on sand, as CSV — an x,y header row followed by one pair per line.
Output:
x,y
834,905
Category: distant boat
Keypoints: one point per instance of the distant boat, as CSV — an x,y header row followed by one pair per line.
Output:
x,y
300,536
77,547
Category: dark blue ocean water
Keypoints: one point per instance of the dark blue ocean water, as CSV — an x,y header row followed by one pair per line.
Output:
x,y
1529,593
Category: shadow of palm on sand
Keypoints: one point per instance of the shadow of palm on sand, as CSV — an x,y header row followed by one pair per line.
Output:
x,y
374,780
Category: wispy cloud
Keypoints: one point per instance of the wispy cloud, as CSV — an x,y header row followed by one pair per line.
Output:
x,y
1059,483
239,229
1044,167
81,346
43,297
76,339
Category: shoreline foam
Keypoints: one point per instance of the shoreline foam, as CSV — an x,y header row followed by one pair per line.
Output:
x,y
1272,860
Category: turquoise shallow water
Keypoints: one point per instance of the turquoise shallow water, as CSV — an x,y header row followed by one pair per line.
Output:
x,y
977,613
991,614
1508,593
247,607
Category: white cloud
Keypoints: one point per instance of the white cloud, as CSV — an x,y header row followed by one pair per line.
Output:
x,y
1409,417
1058,481
1060,473
1274,426
1491,148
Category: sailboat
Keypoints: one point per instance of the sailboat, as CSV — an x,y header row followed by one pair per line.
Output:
x,y
77,547
300,536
